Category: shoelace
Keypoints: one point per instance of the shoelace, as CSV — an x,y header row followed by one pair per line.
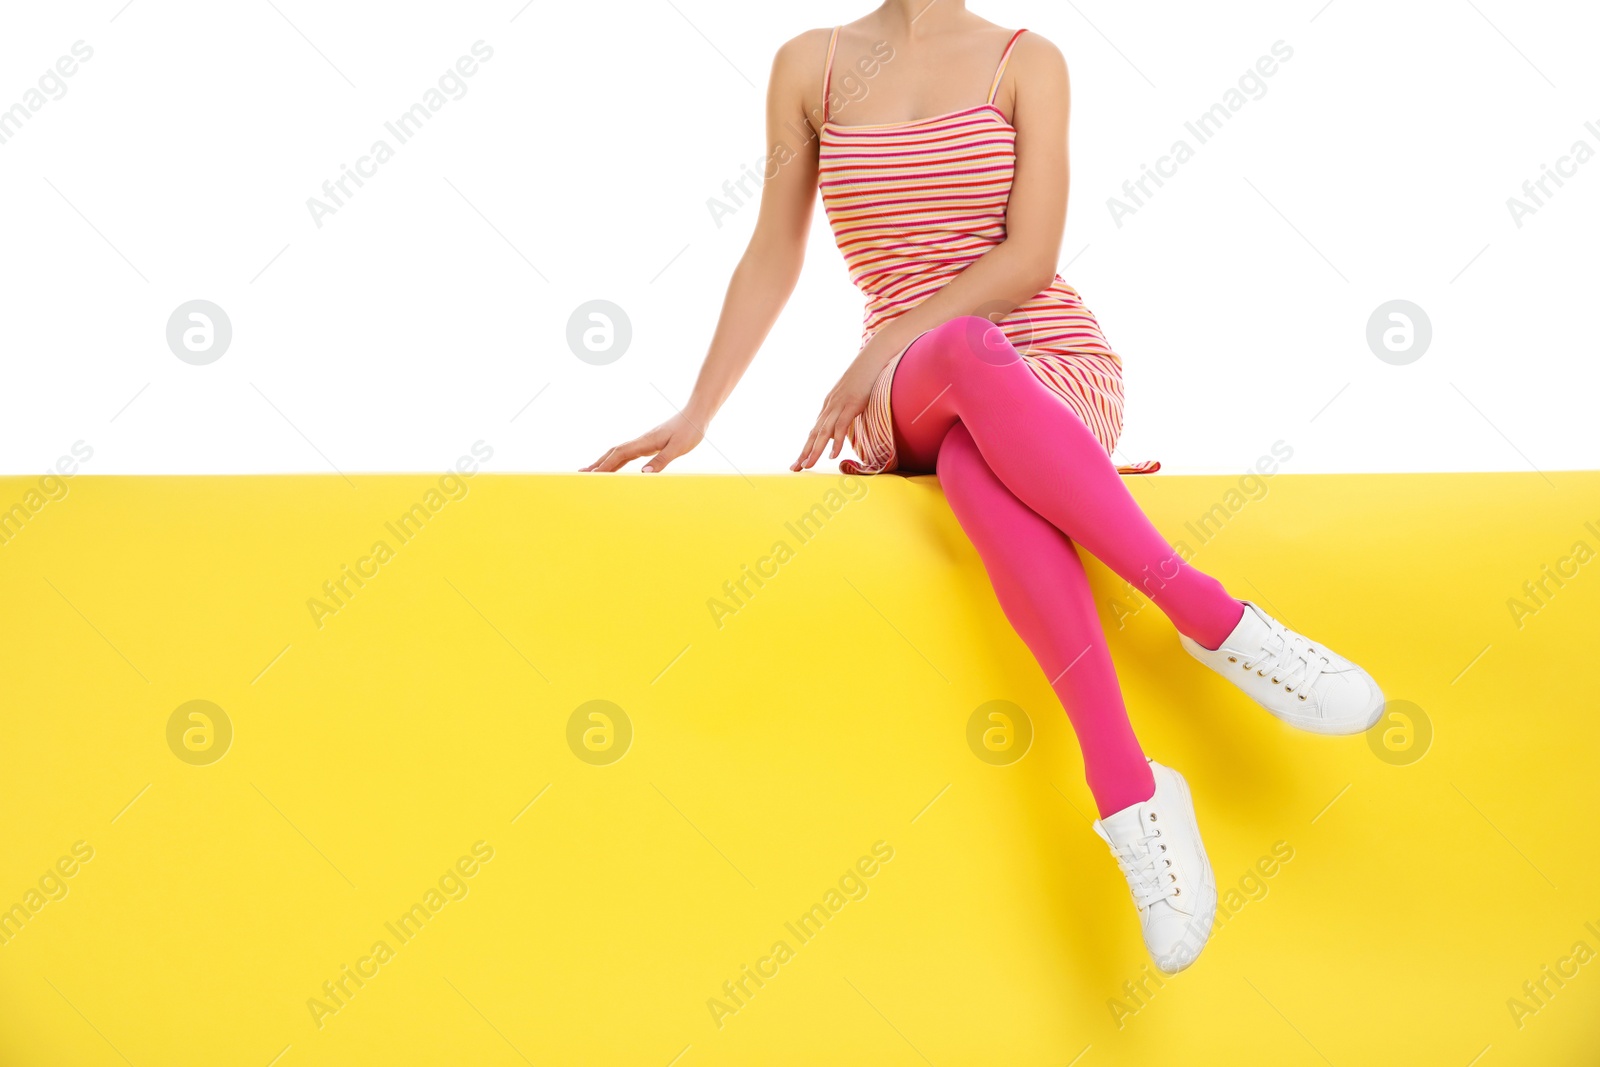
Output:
x,y
1291,654
1146,867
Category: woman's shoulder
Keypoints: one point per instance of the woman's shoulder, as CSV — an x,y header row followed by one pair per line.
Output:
x,y
1036,66
805,48
1035,49
799,62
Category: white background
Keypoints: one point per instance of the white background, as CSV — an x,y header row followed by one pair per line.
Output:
x,y
432,307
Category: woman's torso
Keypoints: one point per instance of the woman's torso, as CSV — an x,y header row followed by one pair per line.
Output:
x,y
913,204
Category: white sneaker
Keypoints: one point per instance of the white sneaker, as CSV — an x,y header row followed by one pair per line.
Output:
x,y
1303,684
1157,845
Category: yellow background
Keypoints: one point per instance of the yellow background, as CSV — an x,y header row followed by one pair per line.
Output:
x,y
828,713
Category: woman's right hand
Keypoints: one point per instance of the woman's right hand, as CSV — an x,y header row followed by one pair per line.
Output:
x,y
663,444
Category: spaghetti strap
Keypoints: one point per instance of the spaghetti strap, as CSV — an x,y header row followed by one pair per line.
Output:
x,y
827,74
1000,71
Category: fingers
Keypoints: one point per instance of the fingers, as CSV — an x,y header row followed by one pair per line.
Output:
x,y
623,454
659,461
605,457
816,444
839,431
800,461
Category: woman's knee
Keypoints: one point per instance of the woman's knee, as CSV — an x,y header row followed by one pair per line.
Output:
x,y
968,344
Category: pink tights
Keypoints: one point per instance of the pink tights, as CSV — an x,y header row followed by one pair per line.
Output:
x,y
1026,478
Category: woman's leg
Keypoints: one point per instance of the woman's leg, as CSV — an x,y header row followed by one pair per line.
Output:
x,y
966,371
1040,583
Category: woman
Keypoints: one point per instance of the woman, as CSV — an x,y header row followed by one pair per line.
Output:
x,y
981,364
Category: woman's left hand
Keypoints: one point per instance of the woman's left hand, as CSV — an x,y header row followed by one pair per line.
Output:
x,y
847,400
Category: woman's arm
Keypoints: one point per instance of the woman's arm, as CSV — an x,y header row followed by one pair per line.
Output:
x,y
1012,272
767,273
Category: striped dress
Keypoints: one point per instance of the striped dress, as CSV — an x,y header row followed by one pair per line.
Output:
x,y
912,204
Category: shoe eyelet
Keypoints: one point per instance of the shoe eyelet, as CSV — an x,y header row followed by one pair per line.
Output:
x,y
1262,673
1163,848
1152,816
1275,681
1177,892
1290,689
1302,697
1169,863
1233,659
